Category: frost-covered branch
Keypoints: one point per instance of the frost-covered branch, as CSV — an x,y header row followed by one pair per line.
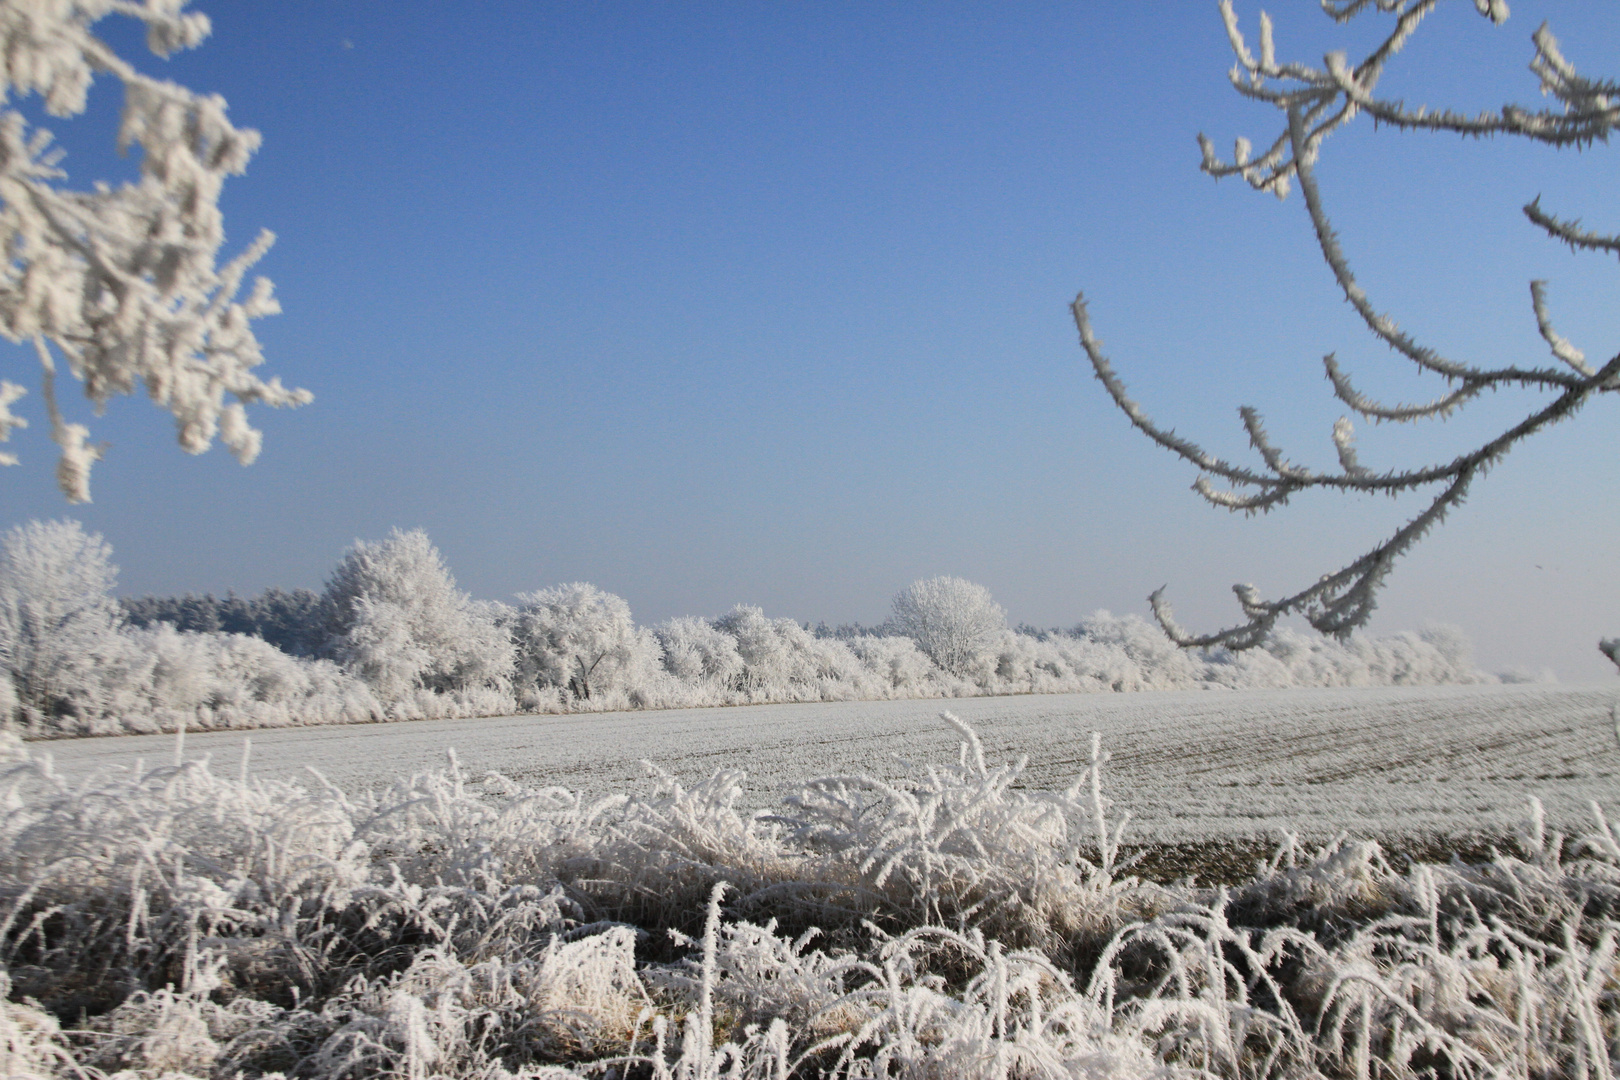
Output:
x,y
123,280
1570,232
1316,101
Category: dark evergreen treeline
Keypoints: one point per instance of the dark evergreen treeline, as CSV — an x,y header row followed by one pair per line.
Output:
x,y
291,621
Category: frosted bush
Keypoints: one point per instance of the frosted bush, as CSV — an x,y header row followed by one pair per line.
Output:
x,y
1030,664
954,621
58,619
578,638
1434,655
782,661
167,679
773,656
1312,660
1103,653
395,618
1148,659
698,652
896,662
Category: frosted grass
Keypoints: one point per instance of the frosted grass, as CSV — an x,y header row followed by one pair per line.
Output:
x,y
959,921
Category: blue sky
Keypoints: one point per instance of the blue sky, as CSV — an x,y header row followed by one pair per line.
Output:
x,y
766,303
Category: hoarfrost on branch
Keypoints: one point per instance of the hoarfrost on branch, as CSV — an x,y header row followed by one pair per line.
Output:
x,y
1315,102
123,281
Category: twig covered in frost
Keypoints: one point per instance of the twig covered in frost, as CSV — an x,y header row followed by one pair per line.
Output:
x,y
1315,102
123,280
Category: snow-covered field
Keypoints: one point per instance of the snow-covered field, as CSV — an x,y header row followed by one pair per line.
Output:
x,y
1189,765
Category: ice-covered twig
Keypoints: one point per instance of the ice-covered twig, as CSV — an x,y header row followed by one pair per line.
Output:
x,y
1315,102
125,280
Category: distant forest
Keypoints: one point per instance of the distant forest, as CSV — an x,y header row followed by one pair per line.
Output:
x,y
289,620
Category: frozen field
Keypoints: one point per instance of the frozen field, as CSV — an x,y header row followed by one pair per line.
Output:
x,y
1196,765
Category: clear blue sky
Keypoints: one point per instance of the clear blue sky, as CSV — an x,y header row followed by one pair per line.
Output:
x,y
766,303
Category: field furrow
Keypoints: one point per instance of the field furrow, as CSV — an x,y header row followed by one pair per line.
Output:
x,y
1190,766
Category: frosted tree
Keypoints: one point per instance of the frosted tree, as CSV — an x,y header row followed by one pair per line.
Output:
x,y
952,620
579,637
58,617
781,659
1314,103
396,619
696,651
122,280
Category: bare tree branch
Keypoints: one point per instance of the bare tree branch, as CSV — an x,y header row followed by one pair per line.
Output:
x,y
1316,102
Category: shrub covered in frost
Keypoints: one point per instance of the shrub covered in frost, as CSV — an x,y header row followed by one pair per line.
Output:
x,y
782,661
952,620
395,618
699,653
164,680
895,661
582,641
58,620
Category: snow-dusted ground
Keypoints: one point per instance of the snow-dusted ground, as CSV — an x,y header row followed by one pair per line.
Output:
x,y
1192,765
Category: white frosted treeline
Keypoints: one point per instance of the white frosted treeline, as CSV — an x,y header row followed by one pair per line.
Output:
x,y
960,923
743,657
74,668
393,638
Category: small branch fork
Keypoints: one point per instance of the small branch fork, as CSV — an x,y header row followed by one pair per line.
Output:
x,y
1316,102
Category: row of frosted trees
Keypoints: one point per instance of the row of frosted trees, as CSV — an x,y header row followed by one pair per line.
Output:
x,y
392,637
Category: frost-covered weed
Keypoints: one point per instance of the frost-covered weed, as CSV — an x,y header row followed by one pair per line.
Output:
x,y
965,843
1340,964
31,1043
187,921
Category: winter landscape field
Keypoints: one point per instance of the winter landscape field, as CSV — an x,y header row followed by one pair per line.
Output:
x,y
764,303
1204,765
